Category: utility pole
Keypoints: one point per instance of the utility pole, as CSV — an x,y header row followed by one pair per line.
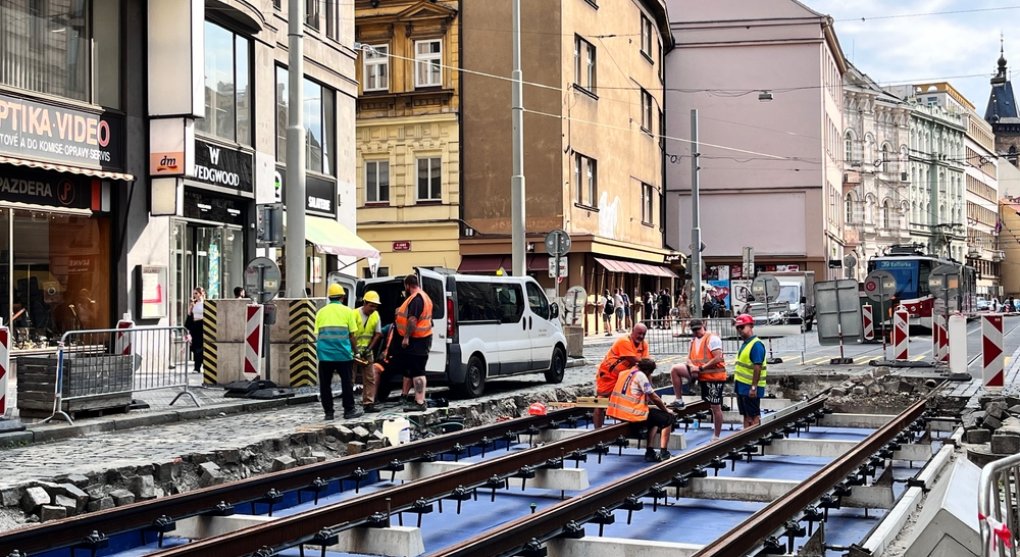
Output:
x,y
695,216
295,199
517,205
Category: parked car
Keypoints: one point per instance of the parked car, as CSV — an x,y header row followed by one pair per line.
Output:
x,y
983,304
483,326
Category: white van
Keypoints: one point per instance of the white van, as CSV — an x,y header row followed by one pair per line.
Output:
x,y
483,327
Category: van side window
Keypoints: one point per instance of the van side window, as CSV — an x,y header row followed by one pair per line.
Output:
x,y
476,302
510,301
434,289
537,301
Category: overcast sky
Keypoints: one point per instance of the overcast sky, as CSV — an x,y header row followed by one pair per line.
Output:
x,y
911,41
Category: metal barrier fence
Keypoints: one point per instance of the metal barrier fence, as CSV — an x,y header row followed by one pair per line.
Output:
x,y
101,368
999,507
673,336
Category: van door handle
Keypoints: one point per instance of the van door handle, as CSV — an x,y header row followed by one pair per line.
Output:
x,y
524,324
531,322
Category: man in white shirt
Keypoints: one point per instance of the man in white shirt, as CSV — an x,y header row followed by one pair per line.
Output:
x,y
706,365
618,308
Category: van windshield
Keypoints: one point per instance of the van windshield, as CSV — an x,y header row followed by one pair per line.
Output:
x,y
788,294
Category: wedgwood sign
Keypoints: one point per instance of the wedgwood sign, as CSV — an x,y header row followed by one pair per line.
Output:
x,y
223,166
66,135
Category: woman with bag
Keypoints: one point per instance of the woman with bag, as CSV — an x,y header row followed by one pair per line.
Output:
x,y
195,325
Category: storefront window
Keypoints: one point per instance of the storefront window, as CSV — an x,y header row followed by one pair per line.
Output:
x,y
227,75
319,119
48,46
60,274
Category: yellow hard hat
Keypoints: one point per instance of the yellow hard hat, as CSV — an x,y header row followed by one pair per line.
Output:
x,y
335,289
372,297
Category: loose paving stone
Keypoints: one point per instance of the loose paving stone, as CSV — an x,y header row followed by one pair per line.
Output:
x,y
68,503
355,447
283,463
52,512
10,497
1005,443
996,409
144,487
100,504
122,497
33,498
991,422
979,436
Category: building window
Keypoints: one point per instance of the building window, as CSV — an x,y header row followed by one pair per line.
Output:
x,y
312,13
62,48
646,111
227,91
586,178
849,209
886,215
333,19
377,181
647,204
885,158
377,67
429,179
646,37
584,64
320,123
428,63
848,147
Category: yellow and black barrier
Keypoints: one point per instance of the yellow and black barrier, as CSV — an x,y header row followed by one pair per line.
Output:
x,y
210,347
303,357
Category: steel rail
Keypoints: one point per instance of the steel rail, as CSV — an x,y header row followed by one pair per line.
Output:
x,y
749,534
69,532
309,526
510,538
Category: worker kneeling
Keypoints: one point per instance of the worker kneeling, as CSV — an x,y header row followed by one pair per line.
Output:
x,y
629,402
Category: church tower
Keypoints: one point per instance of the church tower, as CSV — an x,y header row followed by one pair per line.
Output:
x,y
1002,113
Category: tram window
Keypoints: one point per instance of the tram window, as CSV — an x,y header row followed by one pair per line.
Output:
x,y
923,270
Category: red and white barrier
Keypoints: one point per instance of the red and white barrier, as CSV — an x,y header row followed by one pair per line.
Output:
x,y
901,336
868,317
5,364
992,356
122,344
253,331
939,338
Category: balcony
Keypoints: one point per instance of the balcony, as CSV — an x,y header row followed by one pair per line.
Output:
x,y
851,179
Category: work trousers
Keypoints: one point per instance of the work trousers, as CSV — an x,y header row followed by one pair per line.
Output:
x,y
326,371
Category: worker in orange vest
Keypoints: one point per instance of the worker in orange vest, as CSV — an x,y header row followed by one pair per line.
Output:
x,y
413,326
624,354
629,402
707,366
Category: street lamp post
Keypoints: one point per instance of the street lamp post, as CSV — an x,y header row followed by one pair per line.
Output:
x,y
517,205
695,216
295,194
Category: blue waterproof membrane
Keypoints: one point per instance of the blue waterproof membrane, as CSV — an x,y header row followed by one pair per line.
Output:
x,y
667,524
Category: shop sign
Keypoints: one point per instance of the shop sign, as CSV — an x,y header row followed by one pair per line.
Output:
x,y
224,167
404,245
202,204
36,130
38,187
320,193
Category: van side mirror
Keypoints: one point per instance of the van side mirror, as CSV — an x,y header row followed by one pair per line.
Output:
x,y
554,310
803,299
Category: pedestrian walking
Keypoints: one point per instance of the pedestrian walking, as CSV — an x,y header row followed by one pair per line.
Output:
x,y
627,311
413,325
195,325
623,354
336,330
368,337
663,303
607,312
629,402
705,365
749,372
618,309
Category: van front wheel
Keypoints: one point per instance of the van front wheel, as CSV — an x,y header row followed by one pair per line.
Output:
x,y
557,368
474,378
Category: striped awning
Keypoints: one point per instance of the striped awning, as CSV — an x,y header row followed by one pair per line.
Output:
x,y
635,268
93,172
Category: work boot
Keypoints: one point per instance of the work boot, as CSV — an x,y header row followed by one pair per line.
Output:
x,y
329,417
415,407
664,455
677,404
650,455
353,413
370,409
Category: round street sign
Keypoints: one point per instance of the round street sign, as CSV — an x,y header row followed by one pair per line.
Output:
x,y
262,279
557,242
944,278
765,286
573,304
880,286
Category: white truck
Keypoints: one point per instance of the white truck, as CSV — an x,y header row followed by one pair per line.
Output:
x,y
795,303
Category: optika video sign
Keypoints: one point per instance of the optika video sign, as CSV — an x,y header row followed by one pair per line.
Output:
x,y
37,130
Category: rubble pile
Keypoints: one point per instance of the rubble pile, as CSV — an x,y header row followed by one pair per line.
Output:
x,y
996,425
876,391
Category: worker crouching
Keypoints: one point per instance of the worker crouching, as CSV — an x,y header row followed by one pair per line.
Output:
x,y
629,402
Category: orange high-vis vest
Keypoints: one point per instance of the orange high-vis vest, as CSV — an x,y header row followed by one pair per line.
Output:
x,y
424,327
625,405
700,355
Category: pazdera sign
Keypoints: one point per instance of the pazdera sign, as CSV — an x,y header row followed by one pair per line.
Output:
x,y
224,167
64,135
39,187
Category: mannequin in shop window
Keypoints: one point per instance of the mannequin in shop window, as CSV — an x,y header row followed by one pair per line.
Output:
x,y
194,324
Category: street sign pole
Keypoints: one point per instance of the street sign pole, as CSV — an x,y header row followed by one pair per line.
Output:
x,y
881,307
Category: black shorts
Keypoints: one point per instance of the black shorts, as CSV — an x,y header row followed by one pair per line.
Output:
x,y
412,365
749,407
712,391
656,418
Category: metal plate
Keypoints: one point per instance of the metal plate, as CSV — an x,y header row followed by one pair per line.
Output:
x,y
265,285
837,307
880,286
557,242
573,304
943,278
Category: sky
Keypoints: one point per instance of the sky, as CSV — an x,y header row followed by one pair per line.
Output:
x,y
917,41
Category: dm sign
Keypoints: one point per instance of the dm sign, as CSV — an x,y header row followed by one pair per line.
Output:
x,y
64,135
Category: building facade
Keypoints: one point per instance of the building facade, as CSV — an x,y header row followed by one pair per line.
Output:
x,y
875,178
408,132
770,155
1002,114
593,146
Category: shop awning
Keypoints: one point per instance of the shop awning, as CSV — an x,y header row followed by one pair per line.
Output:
x,y
491,263
95,173
635,268
336,239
